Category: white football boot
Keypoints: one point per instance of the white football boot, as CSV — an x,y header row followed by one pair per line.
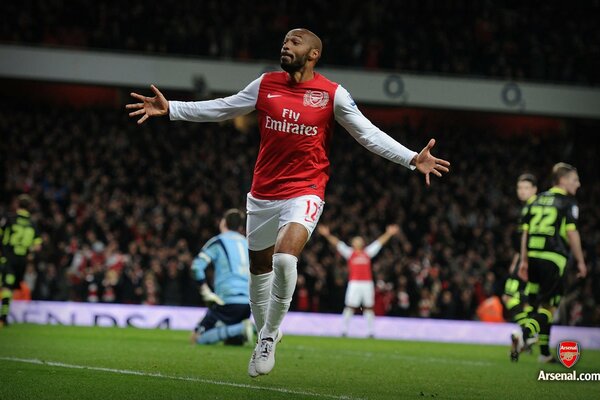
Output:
x,y
265,356
252,364
517,344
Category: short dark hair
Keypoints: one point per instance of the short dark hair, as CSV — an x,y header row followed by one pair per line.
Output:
x,y
24,201
561,169
233,219
527,177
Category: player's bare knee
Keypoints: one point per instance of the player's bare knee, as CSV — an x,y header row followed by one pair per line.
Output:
x,y
260,269
291,239
261,261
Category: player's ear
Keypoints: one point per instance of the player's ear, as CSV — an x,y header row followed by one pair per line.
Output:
x,y
314,54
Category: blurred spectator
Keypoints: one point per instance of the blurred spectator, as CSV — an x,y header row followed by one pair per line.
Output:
x,y
136,204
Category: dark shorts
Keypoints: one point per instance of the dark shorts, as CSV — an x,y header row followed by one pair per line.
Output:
x,y
545,285
228,314
11,273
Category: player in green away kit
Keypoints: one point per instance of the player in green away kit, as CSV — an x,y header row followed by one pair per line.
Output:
x,y
18,236
549,231
514,296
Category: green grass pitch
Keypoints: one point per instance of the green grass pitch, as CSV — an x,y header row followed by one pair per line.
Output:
x,y
62,362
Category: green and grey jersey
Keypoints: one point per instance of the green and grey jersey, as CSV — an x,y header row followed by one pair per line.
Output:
x,y
18,235
550,216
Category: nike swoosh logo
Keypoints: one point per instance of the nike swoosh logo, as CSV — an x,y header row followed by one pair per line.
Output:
x,y
270,96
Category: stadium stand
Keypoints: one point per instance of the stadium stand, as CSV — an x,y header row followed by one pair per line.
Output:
x,y
124,209
534,40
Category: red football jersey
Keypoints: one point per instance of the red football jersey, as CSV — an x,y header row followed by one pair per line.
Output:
x,y
359,266
296,123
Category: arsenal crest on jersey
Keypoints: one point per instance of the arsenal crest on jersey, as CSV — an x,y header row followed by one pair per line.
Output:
x,y
316,98
568,353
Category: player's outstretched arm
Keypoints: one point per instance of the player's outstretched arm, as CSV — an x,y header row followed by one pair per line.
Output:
x,y
427,164
575,244
324,231
524,262
390,231
150,106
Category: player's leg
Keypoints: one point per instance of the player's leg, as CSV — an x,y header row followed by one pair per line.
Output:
x,y
297,221
239,316
262,223
6,295
347,315
352,303
522,339
290,242
550,295
368,302
228,323
8,282
261,278
208,322
545,319
515,300
544,282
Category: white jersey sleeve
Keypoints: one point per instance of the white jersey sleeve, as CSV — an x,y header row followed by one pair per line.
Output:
x,y
216,110
345,250
373,249
367,134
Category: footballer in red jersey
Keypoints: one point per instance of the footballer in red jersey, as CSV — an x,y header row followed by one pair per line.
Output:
x,y
297,110
361,289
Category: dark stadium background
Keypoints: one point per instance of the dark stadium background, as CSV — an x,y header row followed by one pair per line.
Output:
x,y
124,209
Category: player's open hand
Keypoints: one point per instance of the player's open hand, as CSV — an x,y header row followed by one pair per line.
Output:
x,y
150,106
582,270
209,297
392,229
427,164
523,270
323,230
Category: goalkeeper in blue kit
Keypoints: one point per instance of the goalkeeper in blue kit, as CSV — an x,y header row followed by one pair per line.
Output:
x,y
227,319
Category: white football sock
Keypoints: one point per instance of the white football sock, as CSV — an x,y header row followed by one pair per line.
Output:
x,y
282,290
260,293
348,313
370,317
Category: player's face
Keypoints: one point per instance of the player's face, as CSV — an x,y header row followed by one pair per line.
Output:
x,y
294,52
525,190
571,182
358,243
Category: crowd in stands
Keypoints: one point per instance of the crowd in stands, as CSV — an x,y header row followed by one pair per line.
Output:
x,y
534,40
124,209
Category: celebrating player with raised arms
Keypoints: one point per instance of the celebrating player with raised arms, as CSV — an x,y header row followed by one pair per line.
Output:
x,y
361,289
297,110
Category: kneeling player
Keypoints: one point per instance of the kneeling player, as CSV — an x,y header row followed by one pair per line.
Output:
x,y
228,315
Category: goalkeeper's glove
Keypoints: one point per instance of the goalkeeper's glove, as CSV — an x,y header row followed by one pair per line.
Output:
x,y
209,296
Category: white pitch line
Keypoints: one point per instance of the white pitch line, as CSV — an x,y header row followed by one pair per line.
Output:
x,y
180,378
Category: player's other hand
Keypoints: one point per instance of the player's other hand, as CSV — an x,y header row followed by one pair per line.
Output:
x,y
323,230
150,106
209,297
427,164
392,230
523,270
212,298
582,270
